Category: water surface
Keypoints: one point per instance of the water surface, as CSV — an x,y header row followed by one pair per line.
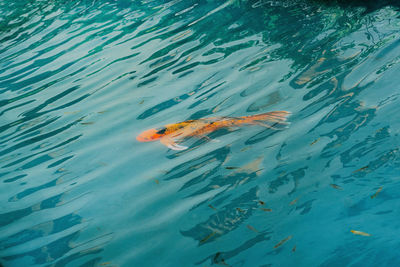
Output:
x,y
79,80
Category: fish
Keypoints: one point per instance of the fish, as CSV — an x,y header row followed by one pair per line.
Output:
x,y
359,233
171,134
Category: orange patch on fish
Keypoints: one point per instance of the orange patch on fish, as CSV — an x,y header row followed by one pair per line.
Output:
x,y
171,134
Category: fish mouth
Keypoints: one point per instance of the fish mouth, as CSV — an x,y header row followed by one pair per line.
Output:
x,y
147,136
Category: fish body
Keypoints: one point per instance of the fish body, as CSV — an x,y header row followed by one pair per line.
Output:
x,y
171,133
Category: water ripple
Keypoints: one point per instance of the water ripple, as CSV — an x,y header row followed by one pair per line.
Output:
x,y
78,81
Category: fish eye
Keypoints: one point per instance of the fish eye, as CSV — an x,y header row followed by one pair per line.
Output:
x,y
161,131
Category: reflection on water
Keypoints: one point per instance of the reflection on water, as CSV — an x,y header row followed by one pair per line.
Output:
x,y
79,80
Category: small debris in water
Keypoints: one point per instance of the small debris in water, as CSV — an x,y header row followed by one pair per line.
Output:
x,y
217,261
87,123
359,233
338,187
181,35
294,248
71,112
231,168
207,237
261,202
283,241
239,209
212,207
313,142
264,209
156,180
376,193
254,68
245,148
252,228
361,169
294,201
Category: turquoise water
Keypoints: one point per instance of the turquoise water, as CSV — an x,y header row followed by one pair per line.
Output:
x,y
79,80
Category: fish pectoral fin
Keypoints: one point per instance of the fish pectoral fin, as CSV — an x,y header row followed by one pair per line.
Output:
x,y
175,146
170,143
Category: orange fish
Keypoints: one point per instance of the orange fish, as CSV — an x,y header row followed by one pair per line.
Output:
x,y
170,134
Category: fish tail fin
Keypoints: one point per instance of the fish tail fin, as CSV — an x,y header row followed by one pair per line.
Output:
x,y
274,119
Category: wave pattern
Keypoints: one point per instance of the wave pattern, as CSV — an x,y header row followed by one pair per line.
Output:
x,y
80,79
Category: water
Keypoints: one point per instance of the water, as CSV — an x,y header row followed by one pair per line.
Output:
x,y
79,80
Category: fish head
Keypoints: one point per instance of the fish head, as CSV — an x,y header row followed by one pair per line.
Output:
x,y
151,135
